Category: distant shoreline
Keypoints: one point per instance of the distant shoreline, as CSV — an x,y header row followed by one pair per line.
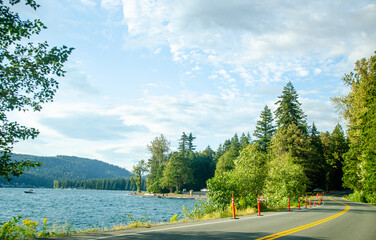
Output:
x,y
195,195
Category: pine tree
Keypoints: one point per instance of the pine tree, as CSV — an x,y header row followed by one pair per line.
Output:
x,y
183,142
316,161
190,145
264,129
335,145
289,110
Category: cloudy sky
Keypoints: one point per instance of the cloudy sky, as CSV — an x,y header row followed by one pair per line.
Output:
x,y
142,68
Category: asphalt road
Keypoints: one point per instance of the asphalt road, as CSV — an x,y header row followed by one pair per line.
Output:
x,y
335,219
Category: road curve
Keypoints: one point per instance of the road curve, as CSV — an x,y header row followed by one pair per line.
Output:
x,y
335,219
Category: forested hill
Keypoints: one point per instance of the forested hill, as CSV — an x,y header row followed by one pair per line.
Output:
x,y
64,167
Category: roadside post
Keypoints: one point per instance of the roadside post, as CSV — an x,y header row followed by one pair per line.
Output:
x,y
258,205
233,205
305,201
299,203
310,201
288,200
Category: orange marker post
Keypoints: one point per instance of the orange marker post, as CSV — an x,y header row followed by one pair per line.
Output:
x,y
299,203
233,206
258,205
289,202
305,201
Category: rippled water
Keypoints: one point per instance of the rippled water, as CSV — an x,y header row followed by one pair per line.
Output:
x,y
86,208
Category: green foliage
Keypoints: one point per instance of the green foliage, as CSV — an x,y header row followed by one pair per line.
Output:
x,y
335,145
177,172
221,187
226,161
359,108
200,209
293,141
100,184
264,129
285,179
155,187
138,172
13,230
289,108
203,168
141,222
27,72
245,181
159,150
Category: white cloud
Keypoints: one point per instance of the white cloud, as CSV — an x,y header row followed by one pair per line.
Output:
x,y
253,36
89,3
111,4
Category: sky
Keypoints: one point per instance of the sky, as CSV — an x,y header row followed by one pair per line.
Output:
x,y
142,68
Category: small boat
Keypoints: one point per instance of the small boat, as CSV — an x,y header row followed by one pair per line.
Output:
x,y
29,191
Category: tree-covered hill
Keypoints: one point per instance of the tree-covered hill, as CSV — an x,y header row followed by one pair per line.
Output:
x,y
64,167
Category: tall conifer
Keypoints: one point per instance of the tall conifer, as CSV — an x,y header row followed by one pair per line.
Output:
x,y
264,128
289,110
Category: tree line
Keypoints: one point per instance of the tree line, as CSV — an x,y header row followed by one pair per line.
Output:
x,y
288,157
99,184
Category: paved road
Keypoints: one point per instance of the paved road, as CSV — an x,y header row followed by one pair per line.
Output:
x,y
335,219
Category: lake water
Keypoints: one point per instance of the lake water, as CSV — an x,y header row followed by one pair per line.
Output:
x,y
84,209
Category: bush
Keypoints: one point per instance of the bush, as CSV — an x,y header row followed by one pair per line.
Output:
x,y
13,230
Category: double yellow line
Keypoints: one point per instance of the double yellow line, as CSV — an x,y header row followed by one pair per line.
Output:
x,y
294,230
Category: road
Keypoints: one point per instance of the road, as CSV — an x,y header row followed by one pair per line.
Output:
x,y
335,219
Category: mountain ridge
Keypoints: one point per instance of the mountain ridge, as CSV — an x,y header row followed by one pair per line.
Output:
x,y
62,167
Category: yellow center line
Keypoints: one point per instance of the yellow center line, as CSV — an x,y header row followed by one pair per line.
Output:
x,y
297,229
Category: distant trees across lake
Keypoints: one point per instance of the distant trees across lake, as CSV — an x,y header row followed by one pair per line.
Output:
x,y
100,184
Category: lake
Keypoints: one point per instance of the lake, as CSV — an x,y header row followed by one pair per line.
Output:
x,y
84,209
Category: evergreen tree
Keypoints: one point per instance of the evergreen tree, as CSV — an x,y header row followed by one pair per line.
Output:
x,y
177,172
289,109
264,129
183,143
245,140
226,161
294,142
317,164
359,108
190,145
335,146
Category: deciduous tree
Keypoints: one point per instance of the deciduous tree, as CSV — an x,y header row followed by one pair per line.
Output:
x,y
138,172
27,77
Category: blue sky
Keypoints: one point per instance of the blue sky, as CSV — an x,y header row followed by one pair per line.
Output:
x,y
150,67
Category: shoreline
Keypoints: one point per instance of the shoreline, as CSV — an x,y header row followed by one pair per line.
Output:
x,y
194,195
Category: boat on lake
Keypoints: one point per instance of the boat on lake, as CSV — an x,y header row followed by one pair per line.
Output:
x,y
29,191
